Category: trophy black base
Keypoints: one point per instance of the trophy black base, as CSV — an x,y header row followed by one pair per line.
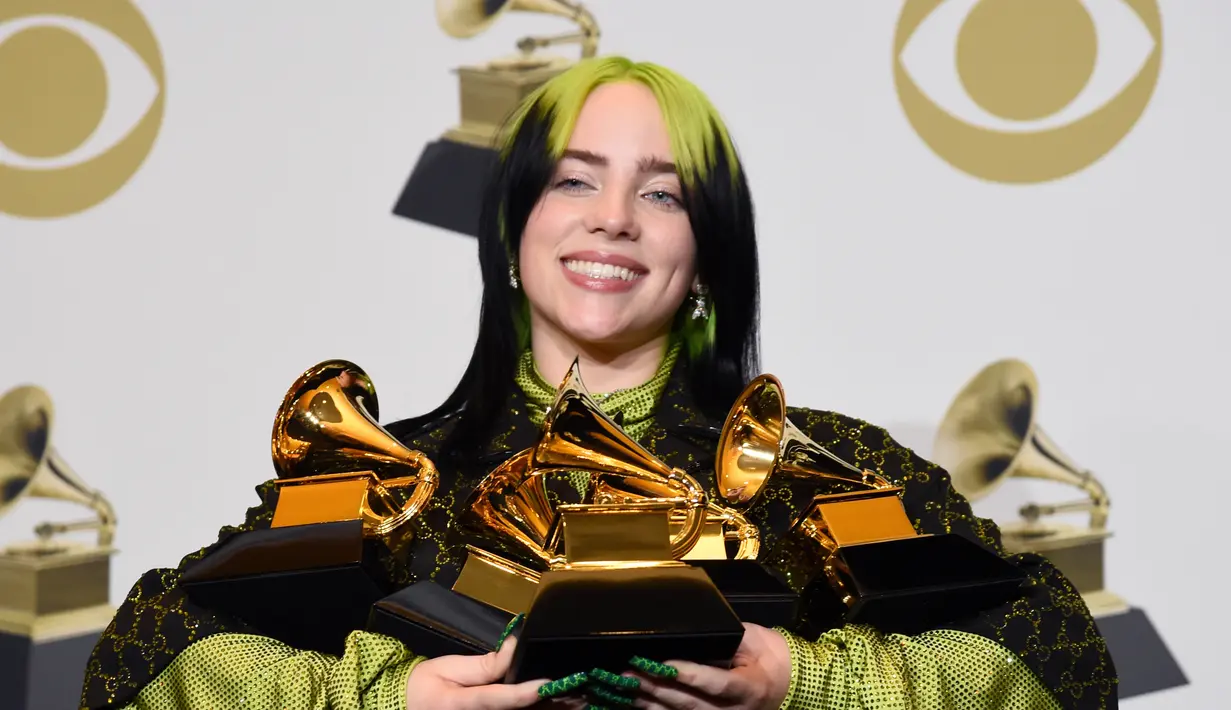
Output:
x,y
433,621
309,586
913,584
445,189
1142,660
43,675
756,595
585,619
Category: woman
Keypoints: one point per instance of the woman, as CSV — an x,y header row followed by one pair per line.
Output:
x,y
619,230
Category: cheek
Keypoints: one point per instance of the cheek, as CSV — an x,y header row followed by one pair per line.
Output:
x,y
538,254
678,252
537,242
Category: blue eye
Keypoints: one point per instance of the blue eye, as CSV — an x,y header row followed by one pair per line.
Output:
x,y
664,197
571,184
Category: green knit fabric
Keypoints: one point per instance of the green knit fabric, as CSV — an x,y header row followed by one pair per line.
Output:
x,y
258,673
635,403
856,667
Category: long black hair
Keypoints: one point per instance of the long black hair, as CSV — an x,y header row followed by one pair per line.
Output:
x,y
721,351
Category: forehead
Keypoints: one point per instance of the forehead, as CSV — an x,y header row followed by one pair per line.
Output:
x,y
622,119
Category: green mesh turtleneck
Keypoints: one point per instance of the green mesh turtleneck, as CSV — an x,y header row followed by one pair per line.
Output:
x,y
635,403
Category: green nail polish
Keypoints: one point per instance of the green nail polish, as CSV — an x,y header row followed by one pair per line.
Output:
x,y
615,679
609,695
662,670
563,685
509,629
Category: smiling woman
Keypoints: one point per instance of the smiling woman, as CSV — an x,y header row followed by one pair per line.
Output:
x,y
619,231
619,193
607,255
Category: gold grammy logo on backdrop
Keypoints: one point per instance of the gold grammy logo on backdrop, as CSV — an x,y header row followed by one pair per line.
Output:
x,y
1040,89
72,132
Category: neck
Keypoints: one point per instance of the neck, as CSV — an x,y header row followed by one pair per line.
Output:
x,y
603,370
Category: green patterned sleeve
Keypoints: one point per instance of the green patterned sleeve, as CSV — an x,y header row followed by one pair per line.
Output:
x,y
1046,628
258,673
858,667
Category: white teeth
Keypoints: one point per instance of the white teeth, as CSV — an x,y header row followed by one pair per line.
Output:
x,y
596,270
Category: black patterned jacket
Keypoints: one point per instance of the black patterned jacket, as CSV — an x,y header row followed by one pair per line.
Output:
x,y
1048,626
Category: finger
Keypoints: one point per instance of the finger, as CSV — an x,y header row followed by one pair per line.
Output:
x,y
645,702
563,686
668,695
652,668
673,695
707,680
508,629
608,696
469,671
502,697
564,704
619,682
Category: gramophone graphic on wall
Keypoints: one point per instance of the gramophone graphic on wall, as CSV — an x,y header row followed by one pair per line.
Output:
x,y
446,184
990,435
53,592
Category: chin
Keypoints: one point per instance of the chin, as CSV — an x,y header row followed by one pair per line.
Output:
x,y
603,337
597,330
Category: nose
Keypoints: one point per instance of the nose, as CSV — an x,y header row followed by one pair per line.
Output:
x,y
614,214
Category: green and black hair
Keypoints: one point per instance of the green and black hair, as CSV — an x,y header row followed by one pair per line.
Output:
x,y
721,350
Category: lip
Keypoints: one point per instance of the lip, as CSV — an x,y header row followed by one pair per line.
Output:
x,y
603,257
602,285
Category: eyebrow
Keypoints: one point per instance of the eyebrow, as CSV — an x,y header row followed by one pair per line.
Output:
x,y
645,165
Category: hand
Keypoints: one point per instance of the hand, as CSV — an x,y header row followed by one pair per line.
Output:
x,y
469,683
759,678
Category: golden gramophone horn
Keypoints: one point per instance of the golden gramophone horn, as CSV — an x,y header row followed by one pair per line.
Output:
x,y
846,548
991,434
518,534
30,467
467,18
511,506
578,436
760,447
759,444
331,454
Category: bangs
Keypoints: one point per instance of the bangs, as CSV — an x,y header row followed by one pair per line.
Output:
x,y
700,142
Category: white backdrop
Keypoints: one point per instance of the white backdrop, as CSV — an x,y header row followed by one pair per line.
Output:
x,y
258,239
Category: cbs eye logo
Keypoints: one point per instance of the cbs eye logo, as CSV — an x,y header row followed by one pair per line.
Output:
x,y
81,102
1025,91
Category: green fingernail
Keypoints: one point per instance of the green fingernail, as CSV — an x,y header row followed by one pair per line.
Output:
x,y
615,679
609,695
563,685
509,629
662,670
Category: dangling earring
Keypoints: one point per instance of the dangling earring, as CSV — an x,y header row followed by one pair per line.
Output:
x,y
700,309
513,280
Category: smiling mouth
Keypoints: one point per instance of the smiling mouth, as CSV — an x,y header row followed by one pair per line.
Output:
x,y
596,270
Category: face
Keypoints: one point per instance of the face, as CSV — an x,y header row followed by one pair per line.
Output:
x,y
607,255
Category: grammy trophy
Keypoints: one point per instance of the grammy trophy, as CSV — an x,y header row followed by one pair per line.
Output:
x,y
445,187
54,593
991,435
852,553
602,580
346,494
